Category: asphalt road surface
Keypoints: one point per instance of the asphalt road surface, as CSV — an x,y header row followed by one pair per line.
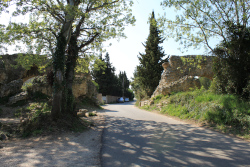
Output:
x,y
134,137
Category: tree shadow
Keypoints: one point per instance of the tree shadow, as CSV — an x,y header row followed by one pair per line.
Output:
x,y
129,142
67,149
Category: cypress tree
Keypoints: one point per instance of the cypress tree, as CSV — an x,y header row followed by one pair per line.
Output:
x,y
150,67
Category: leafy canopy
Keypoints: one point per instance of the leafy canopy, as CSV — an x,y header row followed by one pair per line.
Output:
x,y
198,21
107,18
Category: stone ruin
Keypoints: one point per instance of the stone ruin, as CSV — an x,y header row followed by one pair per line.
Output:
x,y
180,73
13,76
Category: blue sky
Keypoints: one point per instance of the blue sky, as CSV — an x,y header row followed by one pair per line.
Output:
x,y
123,54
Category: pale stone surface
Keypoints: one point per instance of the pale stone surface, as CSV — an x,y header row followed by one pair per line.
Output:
x,y
82,86
18,97
13,75
179,73
82,112
11,88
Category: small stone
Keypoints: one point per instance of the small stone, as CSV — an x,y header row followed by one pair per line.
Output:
x,y
83,110
87,114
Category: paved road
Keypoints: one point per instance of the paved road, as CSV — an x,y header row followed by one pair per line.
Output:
x,y
134,137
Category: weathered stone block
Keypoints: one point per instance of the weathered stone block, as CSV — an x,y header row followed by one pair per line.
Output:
x,y
19,97
11,88
180,73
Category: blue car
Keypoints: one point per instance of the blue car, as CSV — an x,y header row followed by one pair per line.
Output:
x,y
120,100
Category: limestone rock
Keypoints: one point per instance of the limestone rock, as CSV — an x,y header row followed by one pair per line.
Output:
x,y
18,97
11,75
82,86
82,112
182,85
11,88
180,73
40,84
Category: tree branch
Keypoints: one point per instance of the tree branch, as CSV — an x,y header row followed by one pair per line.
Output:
x,y
89,41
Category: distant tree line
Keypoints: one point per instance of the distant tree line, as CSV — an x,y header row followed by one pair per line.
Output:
x,y
108,82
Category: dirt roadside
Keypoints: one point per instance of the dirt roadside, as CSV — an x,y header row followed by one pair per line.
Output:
x,y
62,149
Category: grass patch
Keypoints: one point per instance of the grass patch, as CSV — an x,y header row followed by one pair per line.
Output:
x,y
226,112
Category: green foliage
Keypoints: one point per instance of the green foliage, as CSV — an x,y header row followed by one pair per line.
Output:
x,y
91,114
140,94
109,83
26,86
29,60
205,82
105,76
39,114
157,98
96,85
232,64
53,23
224,111
150,67
198,21
130,94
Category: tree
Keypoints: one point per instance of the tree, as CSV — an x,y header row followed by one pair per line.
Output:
x,y
232,62
202,20
109,83
150,68
140,94
82,25
124,86
105,76
226,20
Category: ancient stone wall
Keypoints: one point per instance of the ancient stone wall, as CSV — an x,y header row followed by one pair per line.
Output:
x,y
82,87
12,77
180,73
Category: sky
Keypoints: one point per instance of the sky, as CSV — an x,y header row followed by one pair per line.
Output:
x,y
123,53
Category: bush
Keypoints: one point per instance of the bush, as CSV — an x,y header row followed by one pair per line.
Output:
x,y
205,82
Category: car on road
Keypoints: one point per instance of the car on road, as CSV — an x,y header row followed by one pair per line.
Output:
x,y
120,100
126,100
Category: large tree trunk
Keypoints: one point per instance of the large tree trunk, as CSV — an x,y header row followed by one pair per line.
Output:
x,y
58,64
69,76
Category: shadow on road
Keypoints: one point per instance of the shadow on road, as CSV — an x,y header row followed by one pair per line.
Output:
x,y
129,142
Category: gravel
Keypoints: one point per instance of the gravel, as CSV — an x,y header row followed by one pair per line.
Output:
x,y
64,149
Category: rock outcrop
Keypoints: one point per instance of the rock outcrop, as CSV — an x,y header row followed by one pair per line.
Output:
x,y
9,69
19,97
11,88
180,73
12,75
82,87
